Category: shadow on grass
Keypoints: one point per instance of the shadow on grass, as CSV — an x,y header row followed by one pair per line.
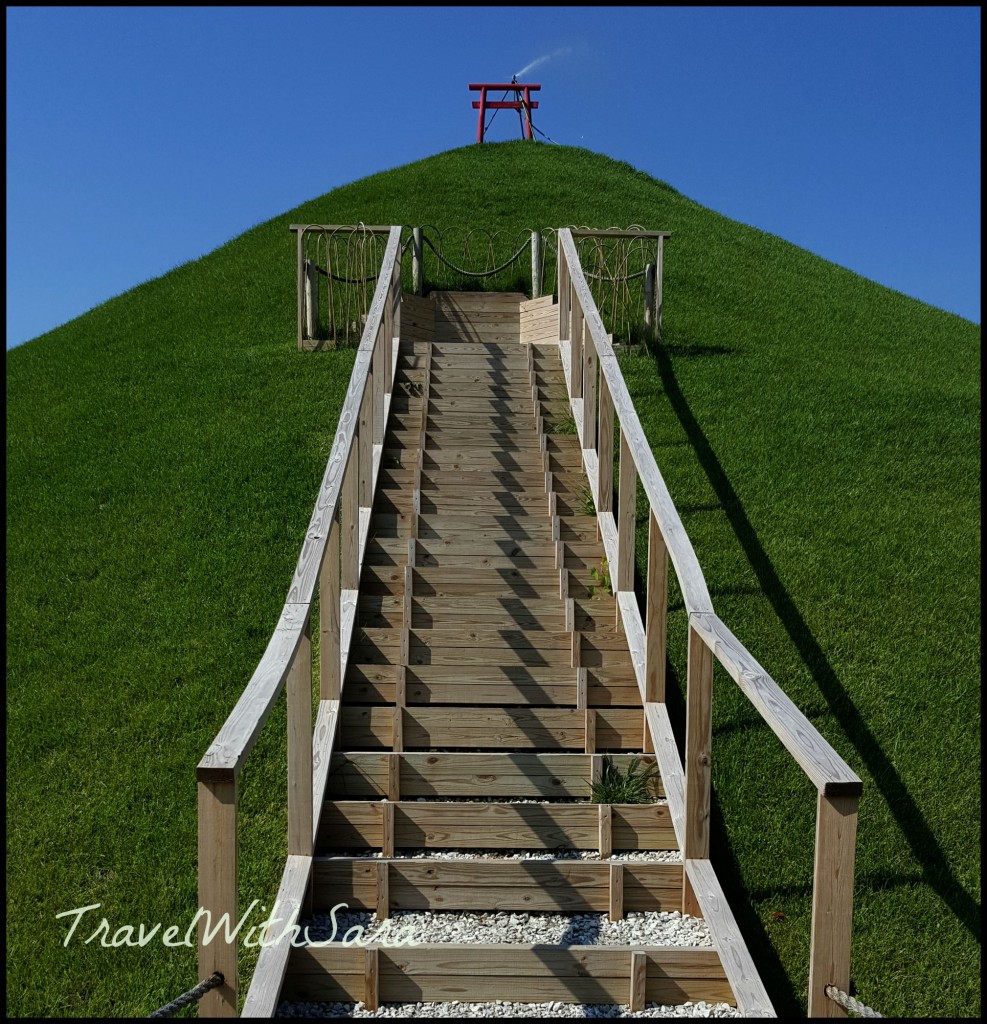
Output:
x,y
936,871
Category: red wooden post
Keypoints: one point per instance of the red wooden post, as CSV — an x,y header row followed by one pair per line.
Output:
x,y
483,112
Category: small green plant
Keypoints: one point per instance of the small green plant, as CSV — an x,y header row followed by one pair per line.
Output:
x,y
564,424
633,787
584,501
601,578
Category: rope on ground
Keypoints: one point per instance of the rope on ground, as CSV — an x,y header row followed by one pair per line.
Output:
x,y
473,273
192,996
849,1003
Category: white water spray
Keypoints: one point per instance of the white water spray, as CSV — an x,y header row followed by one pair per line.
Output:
x,y
564,52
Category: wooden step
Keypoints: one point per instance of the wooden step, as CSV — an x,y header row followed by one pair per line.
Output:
x,y
565,776
540,886
450,825
545,729
498,685
473,972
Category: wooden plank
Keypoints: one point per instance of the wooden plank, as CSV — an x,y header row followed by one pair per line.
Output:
x,y
371,978
698,744
605,830
448,971
546,729
478,885
829,773
299,753
627,509
424,824
749,994
589,728
367,774
272,963
832,902
386,828
217,820
382,886
657,612
508,684
330,679
638,981
323,740
496,637
616,902
669,764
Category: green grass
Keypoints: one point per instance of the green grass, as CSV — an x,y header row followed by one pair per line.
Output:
x,y
819,434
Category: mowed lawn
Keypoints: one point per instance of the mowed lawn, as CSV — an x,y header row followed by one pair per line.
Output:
x,y
819,434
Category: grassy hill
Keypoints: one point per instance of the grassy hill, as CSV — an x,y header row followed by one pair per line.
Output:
x,y
819,433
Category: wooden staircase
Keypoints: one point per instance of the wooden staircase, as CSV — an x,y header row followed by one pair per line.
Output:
x,y
489,667
483,651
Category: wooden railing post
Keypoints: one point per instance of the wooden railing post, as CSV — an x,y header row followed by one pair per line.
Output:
x,y
311,300
330,684
698,744
217,887
300,746
832,902
657,610
589,388
649,301
576,350
377,388
299,259
623,578
349,516
536,244
564,296
659,272
417,277
364,439
604,488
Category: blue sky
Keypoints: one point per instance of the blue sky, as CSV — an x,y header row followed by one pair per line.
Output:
x,y
141,138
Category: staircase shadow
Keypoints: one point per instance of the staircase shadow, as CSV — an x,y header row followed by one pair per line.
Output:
x,y
914,828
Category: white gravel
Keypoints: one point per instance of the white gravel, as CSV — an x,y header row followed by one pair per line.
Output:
x,y
645,928
500,1008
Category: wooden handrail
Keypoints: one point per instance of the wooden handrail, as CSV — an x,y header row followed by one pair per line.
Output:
x,y
349,481
584,343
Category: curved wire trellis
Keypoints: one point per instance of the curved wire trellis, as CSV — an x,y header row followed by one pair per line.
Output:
x,y
347,261
615,267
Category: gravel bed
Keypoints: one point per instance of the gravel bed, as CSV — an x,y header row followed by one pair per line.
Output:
x,y
659,856
646,928
500,1008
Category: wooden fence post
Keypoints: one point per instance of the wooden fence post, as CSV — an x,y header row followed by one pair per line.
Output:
x,y
536,264
311,300
649,301
417,276
698,741
329,624
832,902
217,887
299,298
657,609
300,746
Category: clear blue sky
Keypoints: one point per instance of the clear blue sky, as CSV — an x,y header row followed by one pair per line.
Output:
x,y
141,138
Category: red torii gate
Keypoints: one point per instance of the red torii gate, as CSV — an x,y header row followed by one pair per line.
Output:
x,y
522,101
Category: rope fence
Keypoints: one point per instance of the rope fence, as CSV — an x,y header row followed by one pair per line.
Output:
x,y
849,1003
188,998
